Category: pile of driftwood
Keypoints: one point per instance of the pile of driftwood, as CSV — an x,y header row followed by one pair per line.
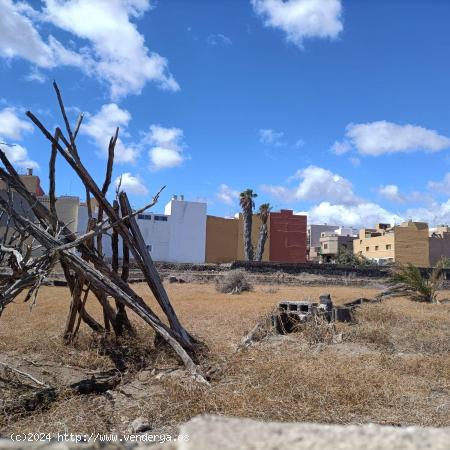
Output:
x,y
31,247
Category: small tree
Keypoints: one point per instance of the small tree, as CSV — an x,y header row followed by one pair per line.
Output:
x,y
247,204
347,257
409,280
264,211
445,261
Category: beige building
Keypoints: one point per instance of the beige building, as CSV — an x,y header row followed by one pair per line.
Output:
x,y
225,242
221,239
404,243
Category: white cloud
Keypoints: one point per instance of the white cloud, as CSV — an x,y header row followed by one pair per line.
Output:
x,y
131,184
218,39
340,148
11,129
102,125
267,136
318,183
391,192
117,50
367,214
19,38
382,137
167,150
441,186
18,156
363,214
227,195
113,50
280,192
337,201
434,214
302,19
315,184
36,75
12,126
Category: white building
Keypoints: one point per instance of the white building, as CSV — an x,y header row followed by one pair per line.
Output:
x,y
187,223
178,235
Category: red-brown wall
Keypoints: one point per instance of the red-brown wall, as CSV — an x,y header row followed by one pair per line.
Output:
x,y
287,237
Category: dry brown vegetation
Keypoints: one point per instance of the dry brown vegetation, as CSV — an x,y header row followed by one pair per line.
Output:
x,y
392,367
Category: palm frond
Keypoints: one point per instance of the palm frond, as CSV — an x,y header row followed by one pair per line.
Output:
x,y
409,280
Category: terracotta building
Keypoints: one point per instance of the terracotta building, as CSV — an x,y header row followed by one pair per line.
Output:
x,y
31,182
286,238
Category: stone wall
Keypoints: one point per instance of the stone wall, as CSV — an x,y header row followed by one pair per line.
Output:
x,y
225,433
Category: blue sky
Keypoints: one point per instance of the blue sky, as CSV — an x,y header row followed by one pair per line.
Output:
x,y
339,109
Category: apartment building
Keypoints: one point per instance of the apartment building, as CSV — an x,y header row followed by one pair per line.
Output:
x,y
314,233
404,243
332,242
286,240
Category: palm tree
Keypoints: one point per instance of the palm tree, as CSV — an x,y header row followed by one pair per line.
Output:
x,y
264,211
409,280
247,205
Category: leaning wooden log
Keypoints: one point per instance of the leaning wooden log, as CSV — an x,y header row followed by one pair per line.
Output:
x,y
150,272
122,320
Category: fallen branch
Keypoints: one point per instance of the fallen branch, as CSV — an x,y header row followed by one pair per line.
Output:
x,y
25,374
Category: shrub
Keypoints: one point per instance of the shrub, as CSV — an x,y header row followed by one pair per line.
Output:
x,y
346,257
408,279
234,282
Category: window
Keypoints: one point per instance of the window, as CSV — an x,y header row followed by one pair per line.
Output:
x,y
367,249
360,241
388,246
325,246
376,248
144,216
161,218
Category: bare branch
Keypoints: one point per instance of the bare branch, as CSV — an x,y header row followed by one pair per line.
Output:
x,y
51,191
72,148
25,374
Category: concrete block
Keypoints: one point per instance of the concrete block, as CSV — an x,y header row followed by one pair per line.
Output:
x,y
221,433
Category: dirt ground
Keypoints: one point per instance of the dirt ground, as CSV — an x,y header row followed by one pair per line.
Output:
x,y
392,366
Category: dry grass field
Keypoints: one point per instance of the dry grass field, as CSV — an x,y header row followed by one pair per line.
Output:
x,y
391,367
